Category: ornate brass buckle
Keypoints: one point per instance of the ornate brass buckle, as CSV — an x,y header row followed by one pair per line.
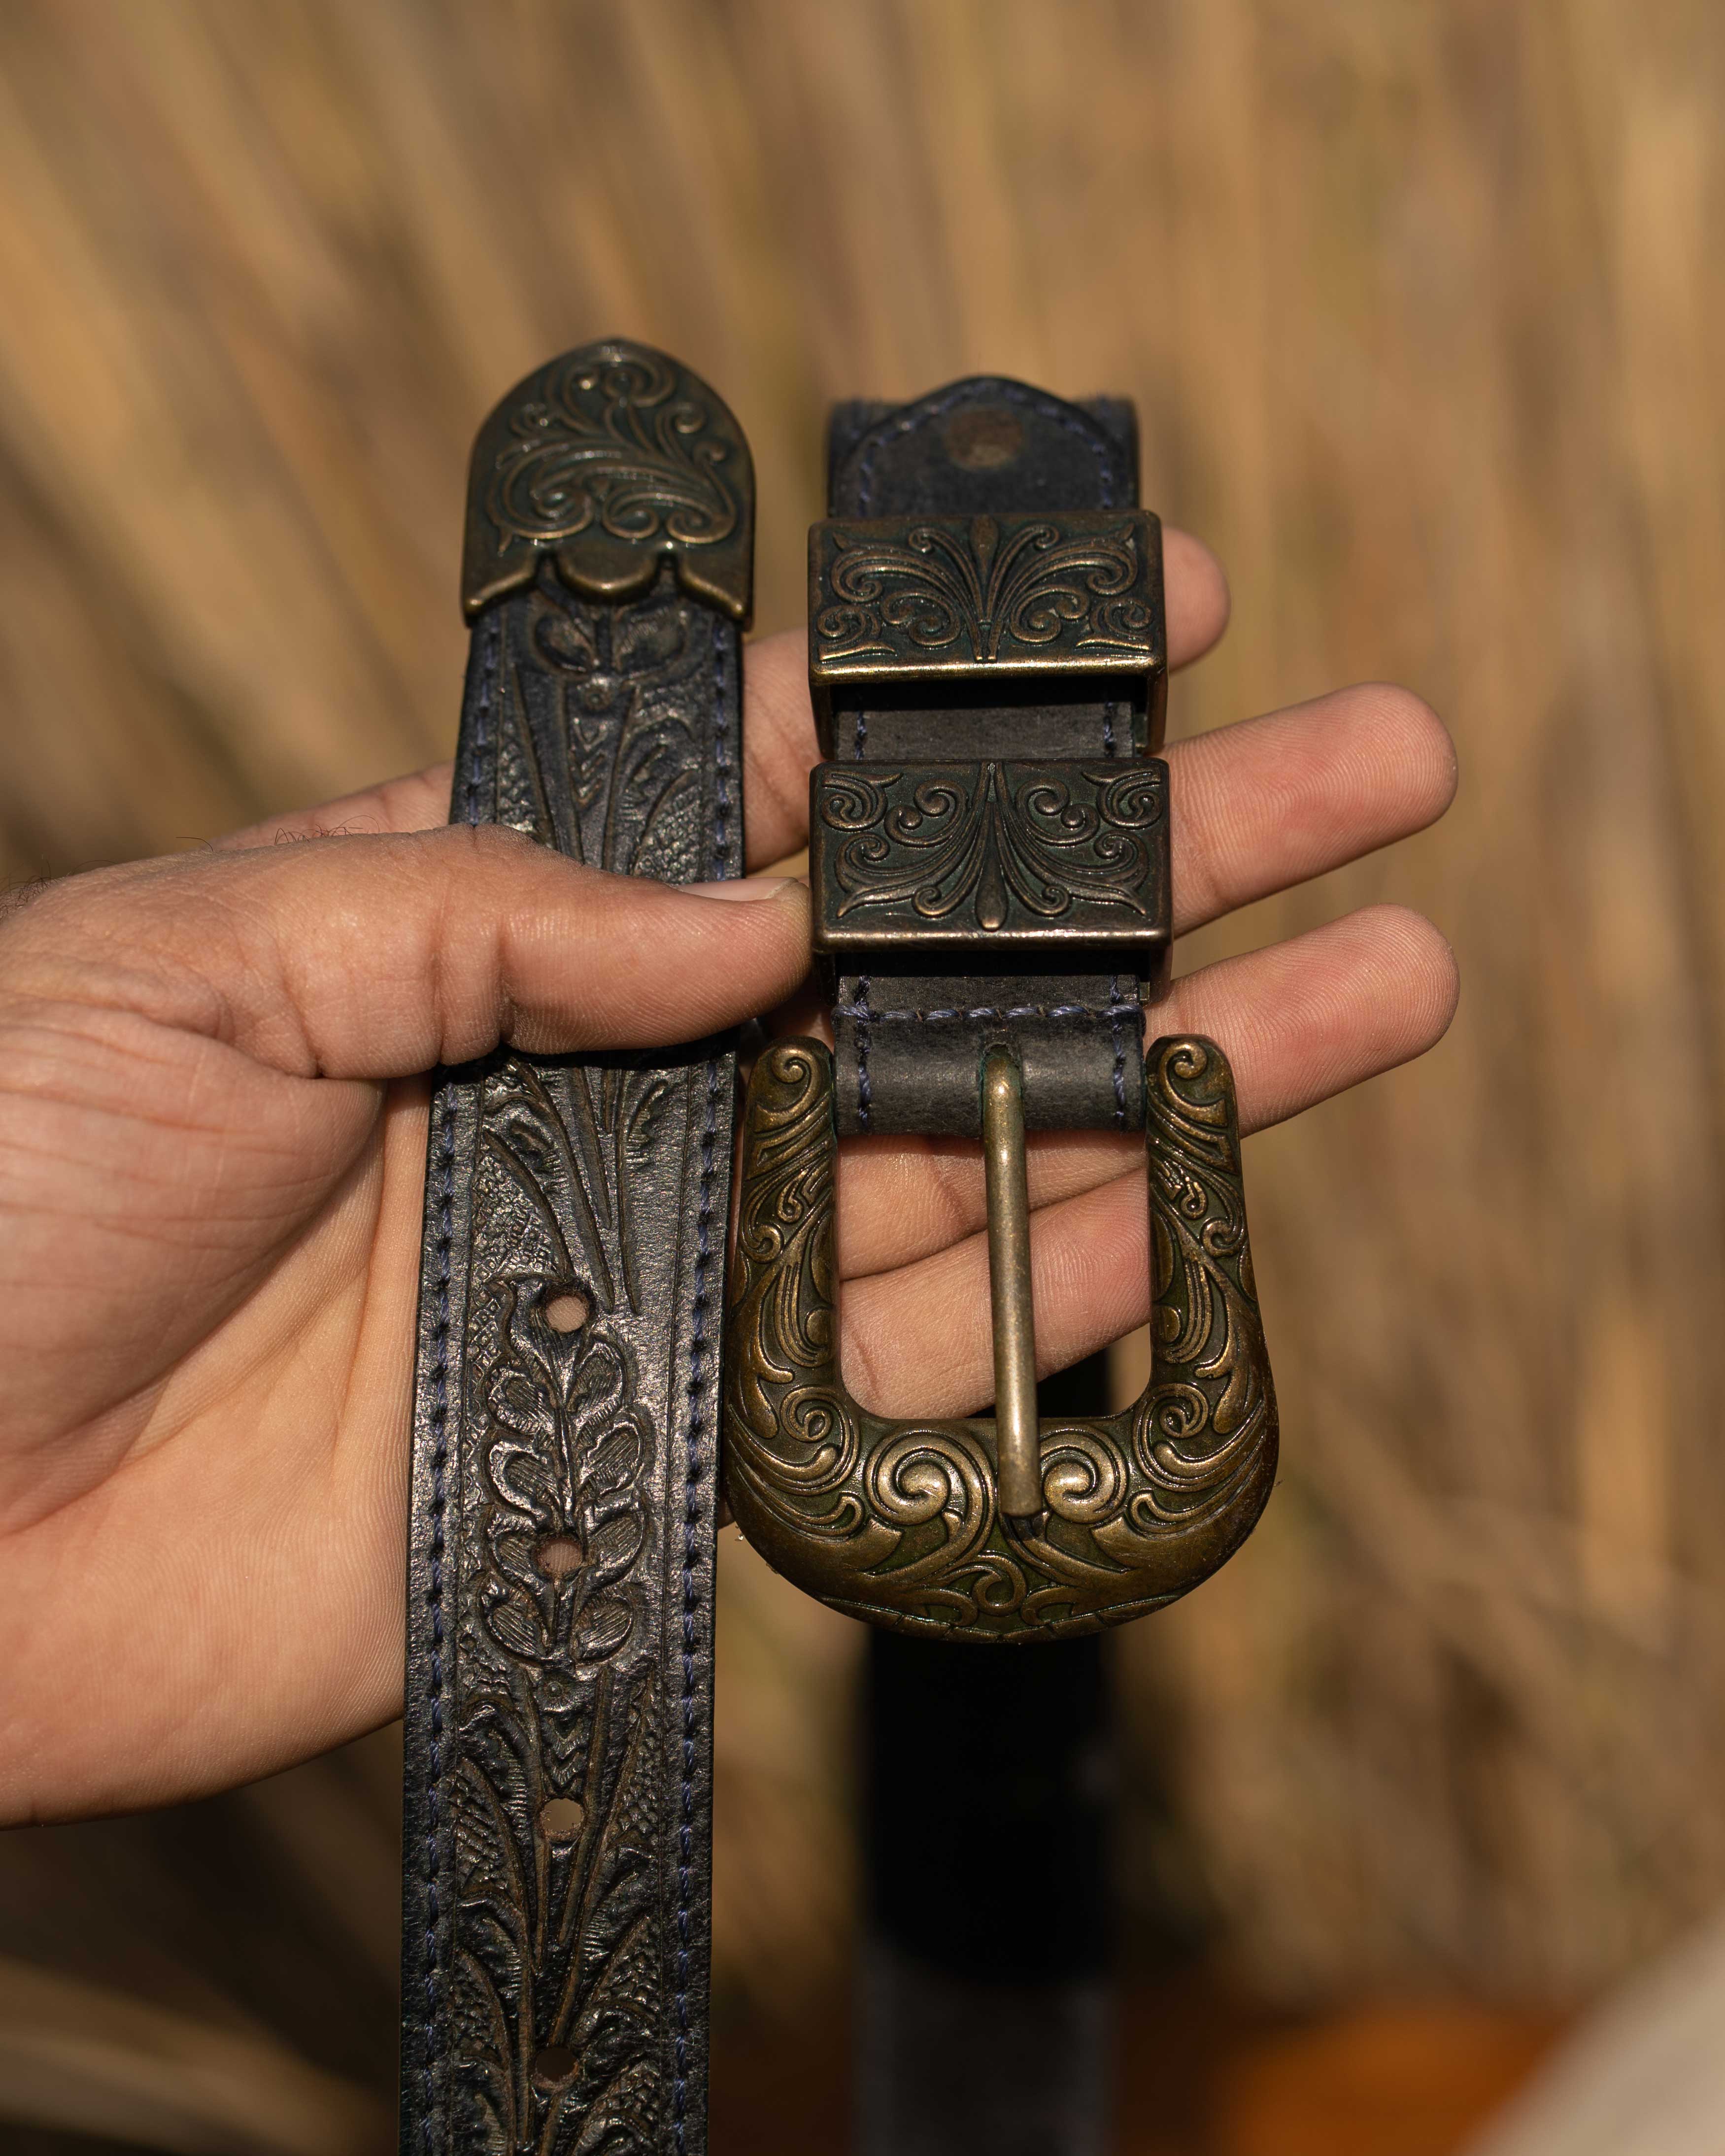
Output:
x,y
996,862
993,1529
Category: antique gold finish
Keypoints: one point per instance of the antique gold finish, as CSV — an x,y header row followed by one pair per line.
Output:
x,y
1034,858
895,602
1011,1301
905,1524
611,459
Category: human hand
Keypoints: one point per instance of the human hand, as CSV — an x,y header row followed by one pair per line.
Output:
x,y
212,1153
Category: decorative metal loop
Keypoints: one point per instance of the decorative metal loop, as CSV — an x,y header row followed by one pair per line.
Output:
x,y
898,1522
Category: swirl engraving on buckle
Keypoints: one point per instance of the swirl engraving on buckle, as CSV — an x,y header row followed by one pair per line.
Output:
x,y
901,1522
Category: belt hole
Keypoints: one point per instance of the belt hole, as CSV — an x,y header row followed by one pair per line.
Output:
x,y
553,2067
566,1312
561,1818
558,1556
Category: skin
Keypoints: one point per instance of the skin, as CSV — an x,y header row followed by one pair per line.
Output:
x,y
212,1151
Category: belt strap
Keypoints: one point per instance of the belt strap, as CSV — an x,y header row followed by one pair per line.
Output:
x,y
559,1661
1013,537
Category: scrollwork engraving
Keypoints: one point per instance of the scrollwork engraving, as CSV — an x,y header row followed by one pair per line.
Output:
x,y
1011,842
991,590
897,1521
610,458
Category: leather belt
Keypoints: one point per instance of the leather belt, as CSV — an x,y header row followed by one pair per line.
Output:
x,y
990,868
989,865
559,1678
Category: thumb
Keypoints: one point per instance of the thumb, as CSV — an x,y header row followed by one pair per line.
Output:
x,y
377,958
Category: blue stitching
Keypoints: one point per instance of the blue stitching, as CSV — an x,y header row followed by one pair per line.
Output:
x,y
865,1015
481,737
861,1012
440,1425
434,1592
478,749
692,1488
691,1520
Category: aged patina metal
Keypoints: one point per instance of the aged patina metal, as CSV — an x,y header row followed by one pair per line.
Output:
x,y
989,861
904,1523
1011,1310
1057,602
1007,863
611,460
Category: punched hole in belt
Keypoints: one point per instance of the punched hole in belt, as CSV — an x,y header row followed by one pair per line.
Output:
x,y
566,1312
558,1556
561,1818
554,2066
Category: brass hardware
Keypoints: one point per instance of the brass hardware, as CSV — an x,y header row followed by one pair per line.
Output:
x,y
611,459
1016,1445
905,1524
1072,596
1051,861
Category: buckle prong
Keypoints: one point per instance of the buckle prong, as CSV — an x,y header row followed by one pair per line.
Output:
x,y
1017,1433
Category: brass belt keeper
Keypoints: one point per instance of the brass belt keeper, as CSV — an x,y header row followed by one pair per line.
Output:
x,y
990,866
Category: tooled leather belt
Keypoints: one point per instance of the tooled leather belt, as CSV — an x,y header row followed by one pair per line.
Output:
x,y
990,868
559,1677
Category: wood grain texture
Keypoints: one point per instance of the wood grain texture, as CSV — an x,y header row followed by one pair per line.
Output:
x,y
1419,309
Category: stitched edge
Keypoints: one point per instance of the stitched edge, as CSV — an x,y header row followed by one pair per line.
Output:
x,y
864,1018
434,1595
696,1458
445,1187
865,1015
1115,1008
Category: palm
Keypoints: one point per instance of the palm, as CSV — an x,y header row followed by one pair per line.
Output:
x,y
211,1171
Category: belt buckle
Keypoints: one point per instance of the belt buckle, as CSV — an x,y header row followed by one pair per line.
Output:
x,y
998,1528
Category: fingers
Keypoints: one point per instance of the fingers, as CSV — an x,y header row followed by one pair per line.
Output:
x,y
1299,1022
1261,806
379,958
918,1343
1256,807
1196,596
779,747
778,730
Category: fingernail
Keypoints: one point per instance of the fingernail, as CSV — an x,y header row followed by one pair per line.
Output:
x,y
746,888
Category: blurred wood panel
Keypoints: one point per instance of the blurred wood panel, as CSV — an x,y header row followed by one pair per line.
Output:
x,y
1420,311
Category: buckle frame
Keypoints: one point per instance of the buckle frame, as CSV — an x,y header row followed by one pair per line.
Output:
x,y
905,1523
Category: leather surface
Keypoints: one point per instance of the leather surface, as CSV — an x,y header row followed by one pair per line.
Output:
x,y
559,1685
908,1044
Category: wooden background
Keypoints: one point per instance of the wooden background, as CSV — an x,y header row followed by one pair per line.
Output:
x,y
1420,307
